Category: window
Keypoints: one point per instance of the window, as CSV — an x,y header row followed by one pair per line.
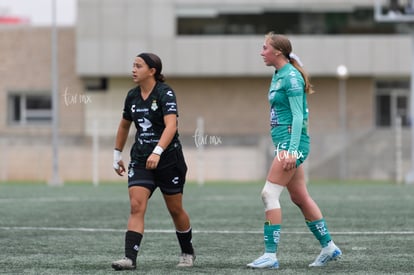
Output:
x,y
392,101
213,21
28,109
96,83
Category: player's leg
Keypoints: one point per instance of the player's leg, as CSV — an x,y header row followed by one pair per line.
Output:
x,y
316,223
138,203
140,188
182,224
276,180
171,182
299,195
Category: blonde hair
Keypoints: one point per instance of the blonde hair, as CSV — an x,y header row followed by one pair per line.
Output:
x,y
281,43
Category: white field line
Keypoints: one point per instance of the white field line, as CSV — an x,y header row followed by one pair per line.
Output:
x,y
85,229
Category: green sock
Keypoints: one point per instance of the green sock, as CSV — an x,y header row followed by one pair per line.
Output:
x,y
320,231
271,237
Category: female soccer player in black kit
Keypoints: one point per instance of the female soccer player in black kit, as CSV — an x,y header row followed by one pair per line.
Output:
x,y
156,158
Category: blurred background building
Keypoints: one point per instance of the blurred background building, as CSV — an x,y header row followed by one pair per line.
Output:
x,y
211,56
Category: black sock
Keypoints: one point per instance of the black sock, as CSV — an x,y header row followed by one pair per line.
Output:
x,y
184,238
132,243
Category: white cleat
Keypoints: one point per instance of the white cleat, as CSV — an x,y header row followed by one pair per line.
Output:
x,y
267,260
186,260
124,264
329,253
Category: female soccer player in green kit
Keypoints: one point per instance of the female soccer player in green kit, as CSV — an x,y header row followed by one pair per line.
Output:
x,y
289,119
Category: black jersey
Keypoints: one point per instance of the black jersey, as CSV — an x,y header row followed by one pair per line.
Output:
x,y
148,117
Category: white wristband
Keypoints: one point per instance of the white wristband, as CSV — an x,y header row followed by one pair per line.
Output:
x,y
117,158
158,150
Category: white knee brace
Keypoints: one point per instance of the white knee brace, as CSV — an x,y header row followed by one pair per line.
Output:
x,y
270,195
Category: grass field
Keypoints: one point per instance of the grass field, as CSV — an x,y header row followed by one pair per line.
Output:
x,y
79,229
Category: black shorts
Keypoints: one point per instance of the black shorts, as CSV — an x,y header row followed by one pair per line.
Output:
x,y
169,176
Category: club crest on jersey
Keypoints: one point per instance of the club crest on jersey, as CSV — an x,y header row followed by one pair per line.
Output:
x,y
154,105
276,85
272,94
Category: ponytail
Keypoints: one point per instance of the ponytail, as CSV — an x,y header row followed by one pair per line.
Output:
x,y
308,86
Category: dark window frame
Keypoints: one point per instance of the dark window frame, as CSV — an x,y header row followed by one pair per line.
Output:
x,y
26,108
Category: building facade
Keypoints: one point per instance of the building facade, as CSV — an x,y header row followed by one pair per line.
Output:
x,y
211,58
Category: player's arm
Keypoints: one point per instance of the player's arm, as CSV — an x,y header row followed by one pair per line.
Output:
x,y
295,102
121,138
167,136
296,107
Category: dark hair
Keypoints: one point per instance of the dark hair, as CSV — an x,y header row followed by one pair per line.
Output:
x,y
153,61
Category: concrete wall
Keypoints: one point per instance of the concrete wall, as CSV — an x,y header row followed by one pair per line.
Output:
x,y
110,33
221,79
25,66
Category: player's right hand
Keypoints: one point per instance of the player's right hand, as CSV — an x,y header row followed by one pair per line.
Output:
x,y
120,169
118,164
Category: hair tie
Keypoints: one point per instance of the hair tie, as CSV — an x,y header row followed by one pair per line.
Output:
x,y
294,56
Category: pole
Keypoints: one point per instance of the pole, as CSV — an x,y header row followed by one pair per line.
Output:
x,y
55,180
4,163
199,139
342,72
95,153
409,179
342,118
398,150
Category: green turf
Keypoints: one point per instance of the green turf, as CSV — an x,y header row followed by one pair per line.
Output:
x,y
79,229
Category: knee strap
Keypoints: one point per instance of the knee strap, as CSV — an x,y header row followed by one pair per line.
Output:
x,y
270,195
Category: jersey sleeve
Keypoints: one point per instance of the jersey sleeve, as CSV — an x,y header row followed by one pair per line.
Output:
x,y
169,102
295,103
295,96
126,114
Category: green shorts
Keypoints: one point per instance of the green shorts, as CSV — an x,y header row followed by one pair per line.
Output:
x,y
281,140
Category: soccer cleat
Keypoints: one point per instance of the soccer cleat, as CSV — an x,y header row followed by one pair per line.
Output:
x,y
124,264
186,260
328,253
267,260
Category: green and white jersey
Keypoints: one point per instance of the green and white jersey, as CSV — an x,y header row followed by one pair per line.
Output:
x,y
288,106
